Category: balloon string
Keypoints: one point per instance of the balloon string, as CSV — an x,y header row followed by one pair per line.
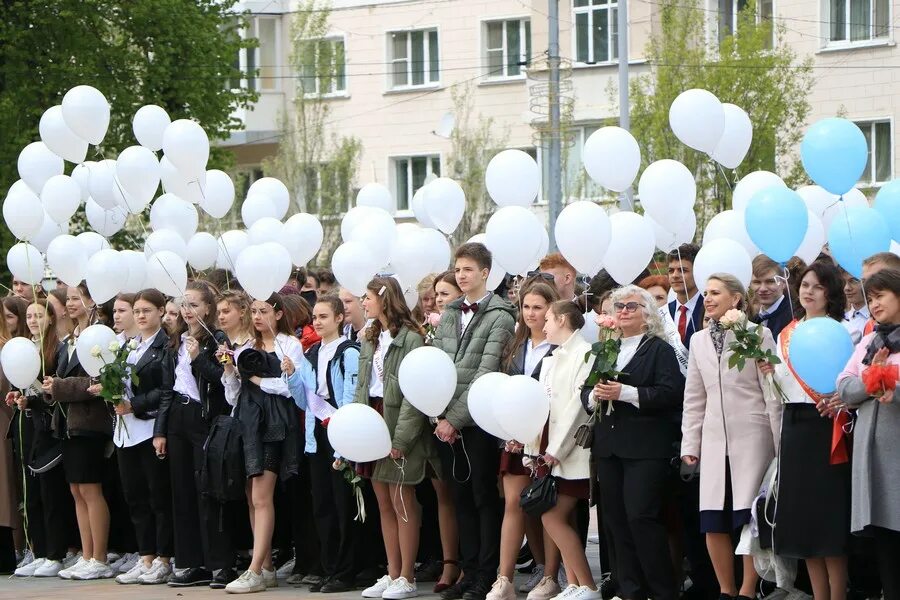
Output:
x,y
34,296
468,461
787,287
402,466
724,175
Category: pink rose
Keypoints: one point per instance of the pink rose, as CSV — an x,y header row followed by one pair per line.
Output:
x,y
605,321
732,318
433,319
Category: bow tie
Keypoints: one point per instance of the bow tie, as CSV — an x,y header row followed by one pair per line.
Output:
x,y
466,308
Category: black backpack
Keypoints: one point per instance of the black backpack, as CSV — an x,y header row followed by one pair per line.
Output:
x,y
222,474
312,356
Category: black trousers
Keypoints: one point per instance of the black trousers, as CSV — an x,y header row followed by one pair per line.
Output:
x,y
705,585
121,529
145,483
201,534
58,512
473,479
305,538
887,551
632,494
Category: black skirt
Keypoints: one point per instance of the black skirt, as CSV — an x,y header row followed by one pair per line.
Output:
x,y
84,459
812,517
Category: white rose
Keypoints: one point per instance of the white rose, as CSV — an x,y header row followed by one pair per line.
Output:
x,y
114,346
96,351
132,344
732,318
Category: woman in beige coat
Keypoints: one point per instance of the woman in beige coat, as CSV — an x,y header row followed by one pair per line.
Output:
x,y
731,425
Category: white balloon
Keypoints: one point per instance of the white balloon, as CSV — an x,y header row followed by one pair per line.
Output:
x,y
427,377
513,178
61,197
18,186
279,264
667,191
750,184
630,248
722,256
187,147
354,217
149,125
353,267
513,235
92,242
219,194
612,158
698,119
106,272
267,229
813,241
95,339
437,247
852,198
445,202
582,235
171,212
23,214
736,137
257,207
378,234
61,140
590,331
136,263
817,199
411,264
543,248
231,244
482,397
187,187
202,251
165,239
167,272
138,172
276,191
49,231
730,225
21,362
102,182
375,195
418,208
252,269
358,433
495,277
105,222
302,235
67,258
37,163
86,112
82,176
25,263
669,240
523,407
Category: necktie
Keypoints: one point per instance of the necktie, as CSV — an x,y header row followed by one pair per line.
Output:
x,y
682,323
466,308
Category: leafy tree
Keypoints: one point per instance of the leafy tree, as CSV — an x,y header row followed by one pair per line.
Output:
x,y
770,83
179,54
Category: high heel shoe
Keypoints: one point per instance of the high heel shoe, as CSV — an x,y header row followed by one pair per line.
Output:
x,y
439,586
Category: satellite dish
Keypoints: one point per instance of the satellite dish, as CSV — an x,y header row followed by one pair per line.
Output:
x,y
445,129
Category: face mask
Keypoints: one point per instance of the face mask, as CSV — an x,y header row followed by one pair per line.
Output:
x,y
310,296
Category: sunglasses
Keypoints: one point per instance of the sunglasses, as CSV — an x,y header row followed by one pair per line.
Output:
x,y
629,307
540,275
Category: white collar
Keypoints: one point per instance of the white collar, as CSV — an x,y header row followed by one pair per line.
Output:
x,y
691,304
479,301
771,309
530,345
862,311
333,343
150,339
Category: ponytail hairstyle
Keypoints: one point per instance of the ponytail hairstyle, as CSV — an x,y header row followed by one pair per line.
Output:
x,y
281,325
393,305
334,303
570,312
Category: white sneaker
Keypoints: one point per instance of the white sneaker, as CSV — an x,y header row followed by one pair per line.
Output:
x,y
400,589
133,575
28,569
50,568
158,573
26,560
537,573
270,578
546,589
585,593
116,564
131,559
286,569
378,589
93,570
247,583
70,559
567,593
80,564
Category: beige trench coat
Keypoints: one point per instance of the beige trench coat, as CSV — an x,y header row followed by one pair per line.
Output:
x,y
728,413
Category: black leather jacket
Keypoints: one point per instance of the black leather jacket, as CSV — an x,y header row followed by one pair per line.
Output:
x,y
156,375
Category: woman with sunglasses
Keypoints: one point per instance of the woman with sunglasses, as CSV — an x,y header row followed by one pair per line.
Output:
x,y
636,418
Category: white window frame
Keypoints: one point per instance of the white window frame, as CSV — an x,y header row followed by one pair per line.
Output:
x,y
872,181
314,205
524,41
829,44
716,20
427,55
276,68
611,22
394,184
330,39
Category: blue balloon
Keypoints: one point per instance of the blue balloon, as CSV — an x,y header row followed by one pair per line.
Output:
x,y
776,219
834,153
819,351
857,233
887,203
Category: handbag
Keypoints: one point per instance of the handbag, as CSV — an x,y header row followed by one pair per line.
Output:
x,y
539,496
584,435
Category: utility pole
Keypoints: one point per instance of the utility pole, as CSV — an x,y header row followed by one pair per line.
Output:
x,y
554,188
625,198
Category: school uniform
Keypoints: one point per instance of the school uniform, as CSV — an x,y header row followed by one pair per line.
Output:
x,y
688,317
776,317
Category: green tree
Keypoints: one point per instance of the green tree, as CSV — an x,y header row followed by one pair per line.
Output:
x,y
770,82
179,54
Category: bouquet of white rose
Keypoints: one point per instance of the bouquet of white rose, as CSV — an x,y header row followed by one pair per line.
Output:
x,y
114,374
748,346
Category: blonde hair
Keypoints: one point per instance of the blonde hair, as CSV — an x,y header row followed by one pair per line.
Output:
x,y
733,285
652,318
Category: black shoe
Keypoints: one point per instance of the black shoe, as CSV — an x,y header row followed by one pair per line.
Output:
x,y
295,579
455,591
336,586
430,571
223,578
313,580
478,591
317,587
190,577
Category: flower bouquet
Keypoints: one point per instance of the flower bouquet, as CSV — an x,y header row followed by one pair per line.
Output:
x,y
353,479
114,374
431,325
748,346
605,353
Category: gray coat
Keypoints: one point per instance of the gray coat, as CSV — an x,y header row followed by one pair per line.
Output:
x,y
876,448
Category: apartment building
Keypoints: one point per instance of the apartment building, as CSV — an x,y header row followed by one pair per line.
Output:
x,y
402,58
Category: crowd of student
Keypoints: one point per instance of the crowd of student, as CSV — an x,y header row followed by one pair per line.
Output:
x,y
679,449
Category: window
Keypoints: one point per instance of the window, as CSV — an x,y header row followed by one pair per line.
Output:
x,y
507,47
879,167
326,189
576,185
414,58
596,40
858,20
322,71
729,11
411,173
267,54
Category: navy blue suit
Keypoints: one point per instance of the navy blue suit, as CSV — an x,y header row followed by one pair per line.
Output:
x,y
695,321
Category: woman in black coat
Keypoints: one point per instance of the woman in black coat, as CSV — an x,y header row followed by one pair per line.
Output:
x,y
638,421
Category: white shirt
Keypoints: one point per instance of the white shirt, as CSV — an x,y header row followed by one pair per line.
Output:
x,y
855,322
674,339
789,384
466,317
185,382
326,353
285,345
128,430
376,383
534,355
769,311
691,306
627,350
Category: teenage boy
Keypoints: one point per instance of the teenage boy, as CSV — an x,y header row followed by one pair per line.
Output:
x,y
767,287
474,330
687,307
354,315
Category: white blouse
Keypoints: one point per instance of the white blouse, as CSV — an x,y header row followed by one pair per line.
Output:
x,y
376,382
